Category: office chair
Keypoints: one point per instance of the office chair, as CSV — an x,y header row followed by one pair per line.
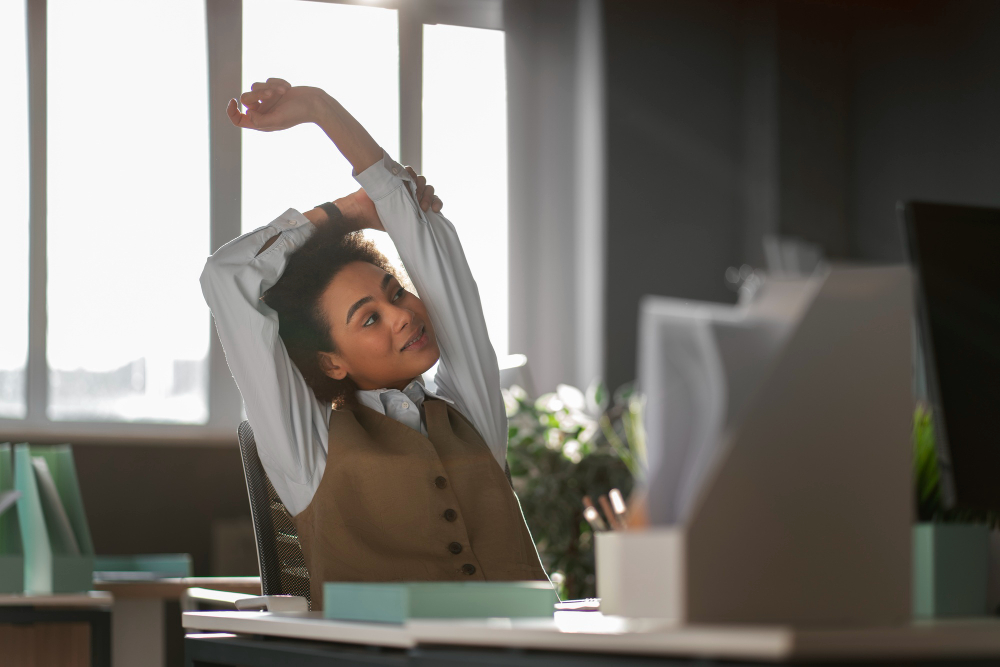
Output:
x,y
282,565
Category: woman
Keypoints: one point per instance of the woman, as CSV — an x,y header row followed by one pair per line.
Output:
x,y
385,480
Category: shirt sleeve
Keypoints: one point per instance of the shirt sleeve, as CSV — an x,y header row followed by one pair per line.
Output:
x,y
289,423
428,244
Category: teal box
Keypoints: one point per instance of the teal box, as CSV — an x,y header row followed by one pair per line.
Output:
x,y
397,602
11,555
58,551
142,567
950,569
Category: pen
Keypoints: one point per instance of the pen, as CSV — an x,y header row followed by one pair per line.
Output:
x,y
612,518
618,505
592,516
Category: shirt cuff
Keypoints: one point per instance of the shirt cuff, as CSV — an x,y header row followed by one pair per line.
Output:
x,y
290,219
382,177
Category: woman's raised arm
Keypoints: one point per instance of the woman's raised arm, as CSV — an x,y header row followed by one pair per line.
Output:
x,y
277,105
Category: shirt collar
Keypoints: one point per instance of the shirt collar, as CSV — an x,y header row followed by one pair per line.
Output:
x,y
378,399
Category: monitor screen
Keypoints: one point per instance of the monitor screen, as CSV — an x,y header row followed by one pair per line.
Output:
x,y
954,253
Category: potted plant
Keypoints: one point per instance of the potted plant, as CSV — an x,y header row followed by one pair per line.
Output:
x,y
563,446
950,545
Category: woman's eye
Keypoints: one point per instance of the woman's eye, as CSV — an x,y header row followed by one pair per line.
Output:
x,y
399,294
372,319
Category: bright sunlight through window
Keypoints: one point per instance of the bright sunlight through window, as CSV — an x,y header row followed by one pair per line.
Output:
x,y
465,153
350,52
14,221
128,210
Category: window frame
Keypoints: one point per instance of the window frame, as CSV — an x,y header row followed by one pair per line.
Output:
x,y
224,26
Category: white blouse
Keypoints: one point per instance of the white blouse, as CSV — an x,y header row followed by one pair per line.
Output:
x,y
290,425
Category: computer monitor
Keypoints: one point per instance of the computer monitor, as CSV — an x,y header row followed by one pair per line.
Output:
x,y
955,254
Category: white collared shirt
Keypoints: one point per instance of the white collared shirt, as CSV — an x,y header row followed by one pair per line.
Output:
x,y
404,406
291,427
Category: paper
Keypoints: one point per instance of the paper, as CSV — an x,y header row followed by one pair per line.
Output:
x,y
7,500
699,367
60,529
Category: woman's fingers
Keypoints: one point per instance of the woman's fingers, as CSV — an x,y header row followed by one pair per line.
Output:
x,y
421,184
425,193
280,84
271,93
262,96
254,98
427,198
238,118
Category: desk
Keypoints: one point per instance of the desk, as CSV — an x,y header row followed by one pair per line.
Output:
x,y
68,629
139,618
580,638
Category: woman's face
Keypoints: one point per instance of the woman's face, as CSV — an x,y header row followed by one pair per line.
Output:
x,y
382,333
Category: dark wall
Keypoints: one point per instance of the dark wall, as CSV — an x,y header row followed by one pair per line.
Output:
x,y
160,498
728,120
925,116
672,81
812,41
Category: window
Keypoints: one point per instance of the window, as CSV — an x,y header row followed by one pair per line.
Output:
x,y
14,194
126,349
128,330
465,153
352,52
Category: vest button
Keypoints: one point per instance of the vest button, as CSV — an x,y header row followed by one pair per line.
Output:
x,y
455,548
450,514
440,482
469,569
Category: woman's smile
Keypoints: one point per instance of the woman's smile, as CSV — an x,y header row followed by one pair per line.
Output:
x,y
417,342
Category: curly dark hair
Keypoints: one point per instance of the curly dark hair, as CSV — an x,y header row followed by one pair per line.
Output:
x,y
295,297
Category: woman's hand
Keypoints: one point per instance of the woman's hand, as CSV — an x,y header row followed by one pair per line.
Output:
x,y
276,105
359,210
425,193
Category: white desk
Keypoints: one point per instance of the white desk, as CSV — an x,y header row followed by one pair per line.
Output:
x,y
591,632
138,616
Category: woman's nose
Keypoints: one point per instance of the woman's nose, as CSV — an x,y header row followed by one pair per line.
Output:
x,y
403,318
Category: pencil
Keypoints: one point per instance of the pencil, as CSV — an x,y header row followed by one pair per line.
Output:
x,y
611,516
592,516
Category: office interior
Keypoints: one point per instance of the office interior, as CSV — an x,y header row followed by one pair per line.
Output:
x,y
651,146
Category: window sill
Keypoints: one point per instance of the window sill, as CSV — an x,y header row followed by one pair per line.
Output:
x,y
123,433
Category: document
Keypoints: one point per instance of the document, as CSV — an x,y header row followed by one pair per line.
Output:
x,y
7,500
60,530
700,367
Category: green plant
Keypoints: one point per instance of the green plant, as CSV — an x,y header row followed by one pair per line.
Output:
x,y
926,472
927,477
563,446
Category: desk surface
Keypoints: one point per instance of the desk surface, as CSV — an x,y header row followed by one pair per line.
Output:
x,y
594,633
172,589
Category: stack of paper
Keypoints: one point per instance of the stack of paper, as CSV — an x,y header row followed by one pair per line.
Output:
x,y
699,366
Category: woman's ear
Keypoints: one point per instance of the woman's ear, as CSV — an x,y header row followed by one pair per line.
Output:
x,y
332,365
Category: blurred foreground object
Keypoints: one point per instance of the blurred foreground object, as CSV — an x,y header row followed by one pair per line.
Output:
x,y
951,546
779,459
953,250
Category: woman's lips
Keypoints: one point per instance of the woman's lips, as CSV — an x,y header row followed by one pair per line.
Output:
x,y
417,343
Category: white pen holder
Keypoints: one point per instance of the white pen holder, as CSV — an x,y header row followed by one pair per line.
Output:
x,y
640,573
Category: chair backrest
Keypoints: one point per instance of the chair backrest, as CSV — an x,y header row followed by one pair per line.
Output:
x,y
282,566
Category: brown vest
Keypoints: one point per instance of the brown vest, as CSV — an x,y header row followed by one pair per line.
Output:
x,y
396,506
